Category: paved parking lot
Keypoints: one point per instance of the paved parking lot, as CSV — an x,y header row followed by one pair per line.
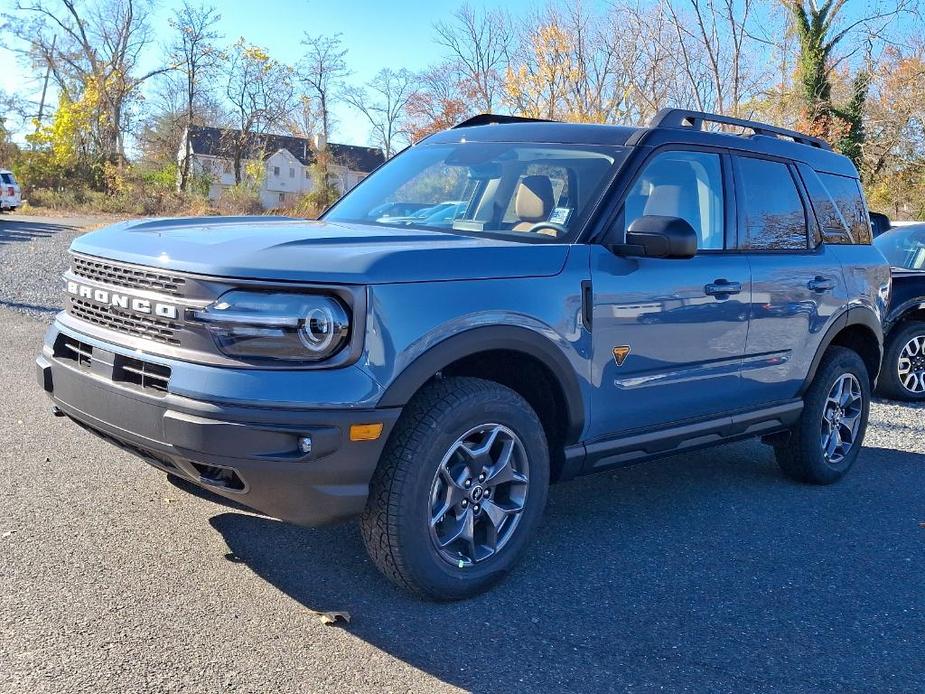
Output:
x,y
708,572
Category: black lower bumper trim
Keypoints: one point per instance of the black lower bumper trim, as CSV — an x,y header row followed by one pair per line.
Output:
x,y
250,455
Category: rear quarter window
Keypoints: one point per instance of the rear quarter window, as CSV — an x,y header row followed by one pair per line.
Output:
x,y
845,194
7,178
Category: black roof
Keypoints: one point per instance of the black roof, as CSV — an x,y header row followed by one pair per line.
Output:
x,y
216,142
763,141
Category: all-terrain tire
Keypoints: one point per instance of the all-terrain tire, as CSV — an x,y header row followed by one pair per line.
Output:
x,y
803,456
891,385
396,524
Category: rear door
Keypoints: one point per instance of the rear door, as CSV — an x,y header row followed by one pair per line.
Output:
x,y
798,286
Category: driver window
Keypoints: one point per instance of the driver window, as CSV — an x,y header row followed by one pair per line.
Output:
x,y
688,185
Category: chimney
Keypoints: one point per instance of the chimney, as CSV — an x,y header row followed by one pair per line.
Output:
x,y
320,141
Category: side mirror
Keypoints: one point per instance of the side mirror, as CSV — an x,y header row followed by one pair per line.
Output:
x,y
655,236
879,223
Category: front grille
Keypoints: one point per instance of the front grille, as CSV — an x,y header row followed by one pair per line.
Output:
x,y
75,350
127,276
133,372
151,327
142,373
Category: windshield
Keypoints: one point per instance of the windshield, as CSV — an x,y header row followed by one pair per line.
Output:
x,y
529,191
904,247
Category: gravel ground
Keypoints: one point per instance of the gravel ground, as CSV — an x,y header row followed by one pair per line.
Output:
x,y
33,256
707,572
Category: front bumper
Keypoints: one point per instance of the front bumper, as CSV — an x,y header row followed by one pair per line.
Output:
x,y
247,451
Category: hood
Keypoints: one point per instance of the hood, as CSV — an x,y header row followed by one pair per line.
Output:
x,y
306,251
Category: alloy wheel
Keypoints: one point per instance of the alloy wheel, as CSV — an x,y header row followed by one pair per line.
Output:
x,y
478,494
911,365
841,418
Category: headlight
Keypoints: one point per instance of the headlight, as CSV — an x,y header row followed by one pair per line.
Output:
x,y
277,326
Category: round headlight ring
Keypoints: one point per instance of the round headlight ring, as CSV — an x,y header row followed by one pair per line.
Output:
x,y
318,329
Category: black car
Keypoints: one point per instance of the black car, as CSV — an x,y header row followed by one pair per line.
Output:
x,y
903,373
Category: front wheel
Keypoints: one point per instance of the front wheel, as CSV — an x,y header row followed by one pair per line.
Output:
x,y
459,490
903,373
827,439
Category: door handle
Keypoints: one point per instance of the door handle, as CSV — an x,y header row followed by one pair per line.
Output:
x,y
722,288
821,284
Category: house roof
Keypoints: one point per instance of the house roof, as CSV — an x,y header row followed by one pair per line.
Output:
x,y
216,142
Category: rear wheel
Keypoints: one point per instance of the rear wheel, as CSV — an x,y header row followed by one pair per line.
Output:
x,y
903,374
827,439
459,490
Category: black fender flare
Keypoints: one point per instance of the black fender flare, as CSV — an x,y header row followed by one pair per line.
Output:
x,y
853,316
484,339
896,314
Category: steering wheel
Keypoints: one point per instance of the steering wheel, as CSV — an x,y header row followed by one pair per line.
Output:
x,y
558,228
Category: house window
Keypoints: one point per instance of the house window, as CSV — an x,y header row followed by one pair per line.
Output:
x,y
291,172
276,171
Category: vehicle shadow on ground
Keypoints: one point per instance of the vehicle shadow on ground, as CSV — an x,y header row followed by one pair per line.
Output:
x,y
713,569
12,230
35,308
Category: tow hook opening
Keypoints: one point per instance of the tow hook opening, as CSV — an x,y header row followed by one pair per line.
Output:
x,y
223,477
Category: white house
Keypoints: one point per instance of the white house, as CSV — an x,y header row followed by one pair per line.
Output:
x,y
286,162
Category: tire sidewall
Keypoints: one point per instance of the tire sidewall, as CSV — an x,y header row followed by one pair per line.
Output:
x,y
891,385
420,556
844,361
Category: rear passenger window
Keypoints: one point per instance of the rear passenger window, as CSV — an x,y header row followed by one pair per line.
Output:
x,y
846,193
772,211
688,185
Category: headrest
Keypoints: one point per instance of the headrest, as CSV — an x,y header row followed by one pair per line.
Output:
x,y
534,199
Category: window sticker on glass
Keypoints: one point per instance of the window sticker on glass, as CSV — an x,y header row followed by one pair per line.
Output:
x,y
560,215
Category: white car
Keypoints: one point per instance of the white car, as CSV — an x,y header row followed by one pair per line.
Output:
x,y
9,191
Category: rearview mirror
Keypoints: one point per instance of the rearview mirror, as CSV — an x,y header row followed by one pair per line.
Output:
x,y
655,236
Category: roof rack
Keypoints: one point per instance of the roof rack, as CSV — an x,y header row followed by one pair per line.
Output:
x,y
497,119
682,118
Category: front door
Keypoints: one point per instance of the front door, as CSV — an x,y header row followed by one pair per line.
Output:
x,y
669,335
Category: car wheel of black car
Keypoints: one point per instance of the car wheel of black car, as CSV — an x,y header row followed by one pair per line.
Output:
x,y
903,374
826,440
459,490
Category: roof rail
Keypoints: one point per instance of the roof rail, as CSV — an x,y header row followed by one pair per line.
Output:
x,y
497,119
682,118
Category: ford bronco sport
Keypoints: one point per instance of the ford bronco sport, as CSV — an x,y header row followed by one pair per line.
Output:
x,y
599,295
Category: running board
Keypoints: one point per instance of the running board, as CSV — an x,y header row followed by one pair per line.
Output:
x,y
626,450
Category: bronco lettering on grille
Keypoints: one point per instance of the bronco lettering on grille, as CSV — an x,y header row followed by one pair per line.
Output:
x,y
123,301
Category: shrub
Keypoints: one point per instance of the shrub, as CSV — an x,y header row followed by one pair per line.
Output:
x,y
240,199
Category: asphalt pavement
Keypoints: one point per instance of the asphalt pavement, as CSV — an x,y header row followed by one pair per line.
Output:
x,y
702,572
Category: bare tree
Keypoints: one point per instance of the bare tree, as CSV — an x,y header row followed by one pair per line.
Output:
x,y
259,91
479,42
383,101
322,70
194,51
570,64
441,100
97,48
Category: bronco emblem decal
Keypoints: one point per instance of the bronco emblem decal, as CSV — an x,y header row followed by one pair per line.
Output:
x,y
620,353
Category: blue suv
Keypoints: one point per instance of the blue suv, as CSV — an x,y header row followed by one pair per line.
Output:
x,y
597,296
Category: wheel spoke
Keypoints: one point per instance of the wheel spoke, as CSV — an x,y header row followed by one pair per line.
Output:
x,y
850,422
496,513
502,471
463,530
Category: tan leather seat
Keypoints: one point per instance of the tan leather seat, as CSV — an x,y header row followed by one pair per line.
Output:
x,y
533,202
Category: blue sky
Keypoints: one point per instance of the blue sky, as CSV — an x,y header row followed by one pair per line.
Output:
x,y
385,33
393,33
